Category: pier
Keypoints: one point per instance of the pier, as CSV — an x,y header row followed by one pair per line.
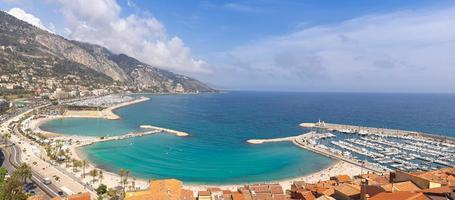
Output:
x,y
371,130
177,133
260,141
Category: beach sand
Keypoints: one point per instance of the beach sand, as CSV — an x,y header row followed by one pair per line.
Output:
x,y
107,113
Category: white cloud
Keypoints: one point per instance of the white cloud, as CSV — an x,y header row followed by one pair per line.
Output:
x,y
29,18
142,37
401,51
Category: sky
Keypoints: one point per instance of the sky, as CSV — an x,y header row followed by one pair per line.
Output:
x,y
279,45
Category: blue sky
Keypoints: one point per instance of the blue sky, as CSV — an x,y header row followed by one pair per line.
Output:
x,y
297,45
201,24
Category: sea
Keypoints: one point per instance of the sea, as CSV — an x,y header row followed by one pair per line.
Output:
x,y
216,152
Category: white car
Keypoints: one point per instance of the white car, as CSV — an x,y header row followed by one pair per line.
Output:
x,y
47,181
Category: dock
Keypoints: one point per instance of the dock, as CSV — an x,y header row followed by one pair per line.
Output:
x,y
260,141
377,131
177,133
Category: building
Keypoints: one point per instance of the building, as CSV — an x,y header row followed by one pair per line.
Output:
x,y
204,195
36,197
216,194
347,191
227,194
418,179
81,196
441,193
400,196
170,189
303,195
401,186
187,195
237,196
341,178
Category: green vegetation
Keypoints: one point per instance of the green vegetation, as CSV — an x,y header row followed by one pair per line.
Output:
x,y
13,188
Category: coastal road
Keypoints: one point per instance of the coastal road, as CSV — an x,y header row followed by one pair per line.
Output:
x,y
11,162
14,159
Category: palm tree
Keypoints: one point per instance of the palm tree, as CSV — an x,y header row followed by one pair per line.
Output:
x,y
125,181
133,184
94,173
76,164
84,165
122,173
24,172
100,175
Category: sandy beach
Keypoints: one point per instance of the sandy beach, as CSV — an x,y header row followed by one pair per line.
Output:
x,y
107,113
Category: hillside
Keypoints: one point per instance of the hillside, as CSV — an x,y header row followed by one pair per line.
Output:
x,y
31,58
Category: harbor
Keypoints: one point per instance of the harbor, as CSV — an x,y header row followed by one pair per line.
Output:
x,y
376,149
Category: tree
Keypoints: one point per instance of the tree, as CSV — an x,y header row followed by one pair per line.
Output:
x,y
133,184
122,173
93,173
13,188
113,194
101,176
76,164
23,172
125,182
84,165
102,189
3,173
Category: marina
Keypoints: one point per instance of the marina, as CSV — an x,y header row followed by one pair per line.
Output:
x,y
374,148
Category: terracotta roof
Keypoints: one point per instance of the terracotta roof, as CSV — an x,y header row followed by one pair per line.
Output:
x,y
237,196
439,190
169,189
36,197
262,196
306,195
328,191
166,189
259,188
342,178
81,196
279,197
375,178
443,176
402,195
298,185
348,189
324,197
401,186
186,195
203,193
276,189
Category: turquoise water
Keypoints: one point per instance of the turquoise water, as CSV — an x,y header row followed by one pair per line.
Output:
x,y
219,124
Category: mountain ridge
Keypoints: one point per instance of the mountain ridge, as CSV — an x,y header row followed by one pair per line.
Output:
x,y
43,58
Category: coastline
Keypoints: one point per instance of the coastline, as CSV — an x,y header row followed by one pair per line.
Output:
x,y
108,113
337,167
334,169
112,179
